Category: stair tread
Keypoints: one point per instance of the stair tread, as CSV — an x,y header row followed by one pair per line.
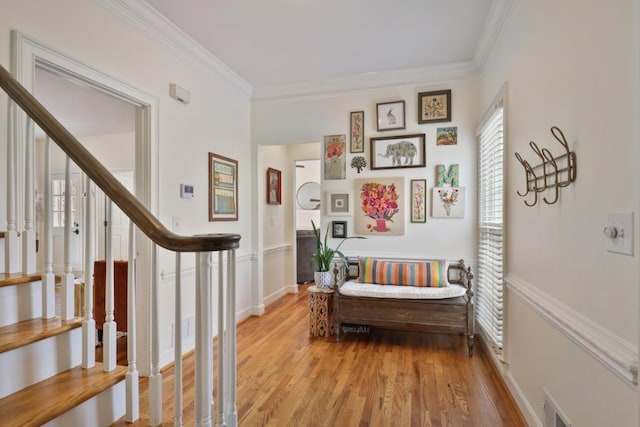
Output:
x,y
10,279
48,399
29,331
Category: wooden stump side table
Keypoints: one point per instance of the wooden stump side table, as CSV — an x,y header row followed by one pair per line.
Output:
x,y
320,312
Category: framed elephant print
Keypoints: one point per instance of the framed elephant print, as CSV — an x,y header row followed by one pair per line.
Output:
x,y
393,152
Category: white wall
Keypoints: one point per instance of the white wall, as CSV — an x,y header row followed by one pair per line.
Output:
x,y
570,64
285,122
217,120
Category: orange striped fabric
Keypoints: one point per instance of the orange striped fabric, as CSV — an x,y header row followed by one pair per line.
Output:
x,y
417,273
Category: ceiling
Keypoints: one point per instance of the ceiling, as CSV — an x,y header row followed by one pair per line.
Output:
x,y
275,44
284,42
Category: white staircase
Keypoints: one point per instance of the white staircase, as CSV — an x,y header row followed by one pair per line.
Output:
x,y
42,380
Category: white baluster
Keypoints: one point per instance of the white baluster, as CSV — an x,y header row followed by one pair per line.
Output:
x,y
48,278
221,343
67,277
29,233
11,241
133,393
177,389
89,323
109,357
204,342
155,380
231,410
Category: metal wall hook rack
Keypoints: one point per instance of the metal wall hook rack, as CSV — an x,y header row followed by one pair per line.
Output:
x,y
551,173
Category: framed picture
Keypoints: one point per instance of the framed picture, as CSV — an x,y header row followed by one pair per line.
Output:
x,y
335,157
338,204
434,106
447,136
357,132
381,206
339,229
391,152
274,187
418,200
390,115
448,202
223,188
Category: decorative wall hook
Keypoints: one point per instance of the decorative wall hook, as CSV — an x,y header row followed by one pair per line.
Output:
x,y
551,173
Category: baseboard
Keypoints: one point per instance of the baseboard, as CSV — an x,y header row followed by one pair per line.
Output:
x,y
274,296
501,369
258,310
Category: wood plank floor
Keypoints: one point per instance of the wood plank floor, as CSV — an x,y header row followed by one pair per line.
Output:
x,y
384,378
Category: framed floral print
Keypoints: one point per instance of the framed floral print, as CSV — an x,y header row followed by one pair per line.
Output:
x,y
380,208
223,188
357,132
434,106
418,200
335,157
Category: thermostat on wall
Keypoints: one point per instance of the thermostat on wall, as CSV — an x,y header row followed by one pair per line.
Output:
x,y
186,191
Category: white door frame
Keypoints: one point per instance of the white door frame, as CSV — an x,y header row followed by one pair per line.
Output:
x,y
26,54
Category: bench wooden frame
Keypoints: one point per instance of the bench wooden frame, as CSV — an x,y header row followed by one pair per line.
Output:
x,y
448,315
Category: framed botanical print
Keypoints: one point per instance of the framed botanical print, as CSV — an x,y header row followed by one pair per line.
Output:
x,y
274,187
390,115
434,106
223,188
357,132
418,200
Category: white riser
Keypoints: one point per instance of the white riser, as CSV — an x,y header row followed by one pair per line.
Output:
x,y
38,361
101,410
20,302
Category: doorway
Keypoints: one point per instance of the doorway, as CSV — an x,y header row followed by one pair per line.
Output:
x,y
30,54
307,208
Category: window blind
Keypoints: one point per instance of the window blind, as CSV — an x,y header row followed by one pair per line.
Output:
x,y
490,282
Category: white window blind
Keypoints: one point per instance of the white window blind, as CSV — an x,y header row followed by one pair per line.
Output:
x,y
490,283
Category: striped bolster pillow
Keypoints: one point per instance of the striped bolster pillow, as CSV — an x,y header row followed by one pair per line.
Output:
x,y
417,273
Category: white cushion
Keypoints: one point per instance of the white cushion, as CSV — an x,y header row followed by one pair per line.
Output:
x,y
357,289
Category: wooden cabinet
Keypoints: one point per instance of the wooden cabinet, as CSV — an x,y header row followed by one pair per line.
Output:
x,y
120,278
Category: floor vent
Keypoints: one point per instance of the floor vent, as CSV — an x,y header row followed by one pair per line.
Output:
x,y
553,416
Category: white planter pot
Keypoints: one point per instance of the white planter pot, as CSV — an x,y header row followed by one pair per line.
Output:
x,y
323,279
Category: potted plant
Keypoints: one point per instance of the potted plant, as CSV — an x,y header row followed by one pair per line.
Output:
x,y
323,257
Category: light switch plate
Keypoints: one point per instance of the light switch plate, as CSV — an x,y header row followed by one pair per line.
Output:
x,y
623,243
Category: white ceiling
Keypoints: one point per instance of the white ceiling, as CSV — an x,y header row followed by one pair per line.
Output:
x,y
276,44
284,42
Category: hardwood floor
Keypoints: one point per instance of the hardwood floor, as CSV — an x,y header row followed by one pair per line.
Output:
x,y
383,378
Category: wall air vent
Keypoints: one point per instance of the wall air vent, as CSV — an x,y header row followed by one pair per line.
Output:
x,y
553,416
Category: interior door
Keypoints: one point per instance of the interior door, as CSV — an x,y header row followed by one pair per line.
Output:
x,y
77,226
119,221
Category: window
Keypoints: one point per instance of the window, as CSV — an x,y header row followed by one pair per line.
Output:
x,y
490,283
58,202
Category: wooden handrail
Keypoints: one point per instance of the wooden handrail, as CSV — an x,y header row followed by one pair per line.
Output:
x,y
126,201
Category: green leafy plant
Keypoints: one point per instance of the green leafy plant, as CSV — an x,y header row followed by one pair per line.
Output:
x,y
323,257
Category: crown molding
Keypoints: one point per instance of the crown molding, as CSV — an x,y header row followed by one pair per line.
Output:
x,y
498,13
143,17
373,80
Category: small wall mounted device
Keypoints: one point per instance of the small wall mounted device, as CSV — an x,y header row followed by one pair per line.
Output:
x,y
186,191
179,93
